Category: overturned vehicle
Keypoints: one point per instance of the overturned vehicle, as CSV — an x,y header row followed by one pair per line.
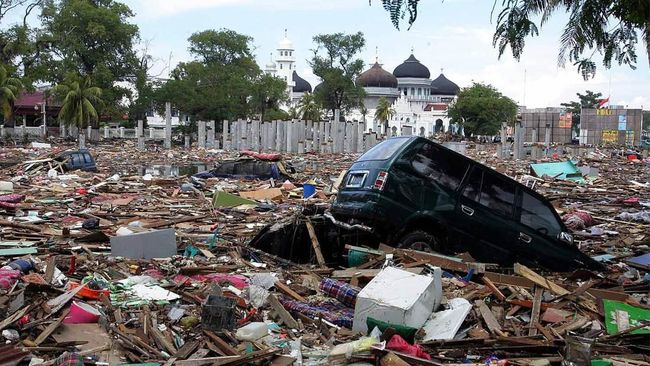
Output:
x,y
412,193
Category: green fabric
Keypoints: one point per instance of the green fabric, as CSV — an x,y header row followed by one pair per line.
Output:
x,y
225,199
407,333
601,363
634,315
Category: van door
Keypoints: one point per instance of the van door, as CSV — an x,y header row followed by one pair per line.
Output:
x,y
485,211
537,230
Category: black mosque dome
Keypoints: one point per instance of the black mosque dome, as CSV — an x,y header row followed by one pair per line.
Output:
x,y
301,85
412,68
376,76
443,86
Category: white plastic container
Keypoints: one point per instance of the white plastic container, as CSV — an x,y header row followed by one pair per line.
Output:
x,y
6,186
252,332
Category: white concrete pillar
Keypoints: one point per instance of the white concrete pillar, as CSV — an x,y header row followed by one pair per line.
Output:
x,y
280,144
534,137
255,135
89,132
140,135
301,147
152,133
290,136
106,132
121,132
168,125
201,133
225,131
211,134
188,142
547,137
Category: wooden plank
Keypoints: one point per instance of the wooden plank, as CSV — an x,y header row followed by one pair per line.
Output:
x,y
540,280
51,328
534,315
491,322
207,361
444,262
221,344
49,271
14,317
288,291
366,273
315,245
280,311
493,288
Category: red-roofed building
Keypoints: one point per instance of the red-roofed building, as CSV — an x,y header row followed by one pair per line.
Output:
x,y
28,109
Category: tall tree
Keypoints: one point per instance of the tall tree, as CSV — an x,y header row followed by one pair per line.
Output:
x,y
218,83
267,94
92,38
481,109
9,89
335,62
79,102
611,28
309,108
384,113
587,100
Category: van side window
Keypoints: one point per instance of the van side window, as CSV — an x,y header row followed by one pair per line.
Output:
x,y
87,158
538,216
491,191
497,194
473,188
440,166
76,160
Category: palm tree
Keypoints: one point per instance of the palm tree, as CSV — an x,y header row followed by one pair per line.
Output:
x,y
384,112
9,89
309,108
78,107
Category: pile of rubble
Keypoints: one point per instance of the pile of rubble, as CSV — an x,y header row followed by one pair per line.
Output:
x,y
122,266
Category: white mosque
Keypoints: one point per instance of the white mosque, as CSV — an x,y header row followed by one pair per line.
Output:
x,y
420,103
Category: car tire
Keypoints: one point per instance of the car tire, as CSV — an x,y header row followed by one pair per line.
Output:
x,y
420,240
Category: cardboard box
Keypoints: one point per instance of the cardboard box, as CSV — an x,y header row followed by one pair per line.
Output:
x,y
398,297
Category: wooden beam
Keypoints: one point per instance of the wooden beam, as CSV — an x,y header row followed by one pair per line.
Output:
x,y
534,315
221,344
288,291
51,328
540,280
281,312
491,322
315,245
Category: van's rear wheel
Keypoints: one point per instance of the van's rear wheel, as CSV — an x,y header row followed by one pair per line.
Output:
x,y
420,240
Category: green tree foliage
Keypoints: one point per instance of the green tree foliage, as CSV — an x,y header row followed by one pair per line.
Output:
x,y
267,94
309,109
611,28
9,89
335,62
481,109
79,102
91,38
587,100
384,112
218,84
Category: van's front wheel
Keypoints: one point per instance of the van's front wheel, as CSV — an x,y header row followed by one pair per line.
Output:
x,y
420,240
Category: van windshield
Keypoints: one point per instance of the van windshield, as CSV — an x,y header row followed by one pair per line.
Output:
x,y
385,149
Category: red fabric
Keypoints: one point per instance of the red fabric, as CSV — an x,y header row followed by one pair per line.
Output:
x,y
262,156
398,344
603,102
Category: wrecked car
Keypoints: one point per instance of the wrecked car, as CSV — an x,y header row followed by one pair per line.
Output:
x,y
77,160
418,194
249,168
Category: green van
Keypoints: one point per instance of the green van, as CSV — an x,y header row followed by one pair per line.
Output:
x,y
418,194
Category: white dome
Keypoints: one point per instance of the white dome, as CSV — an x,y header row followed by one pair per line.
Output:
x,y
270,66
285,44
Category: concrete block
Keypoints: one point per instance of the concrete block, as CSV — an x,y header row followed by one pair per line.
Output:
x,y
145,245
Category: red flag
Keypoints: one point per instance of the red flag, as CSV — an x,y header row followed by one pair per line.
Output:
x,y
603,102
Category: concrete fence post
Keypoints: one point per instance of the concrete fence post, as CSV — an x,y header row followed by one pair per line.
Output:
x,y
121,132
201,142
168,125
140,135
106,132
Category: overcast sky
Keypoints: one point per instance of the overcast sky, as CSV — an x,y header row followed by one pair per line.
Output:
x,y
453,34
